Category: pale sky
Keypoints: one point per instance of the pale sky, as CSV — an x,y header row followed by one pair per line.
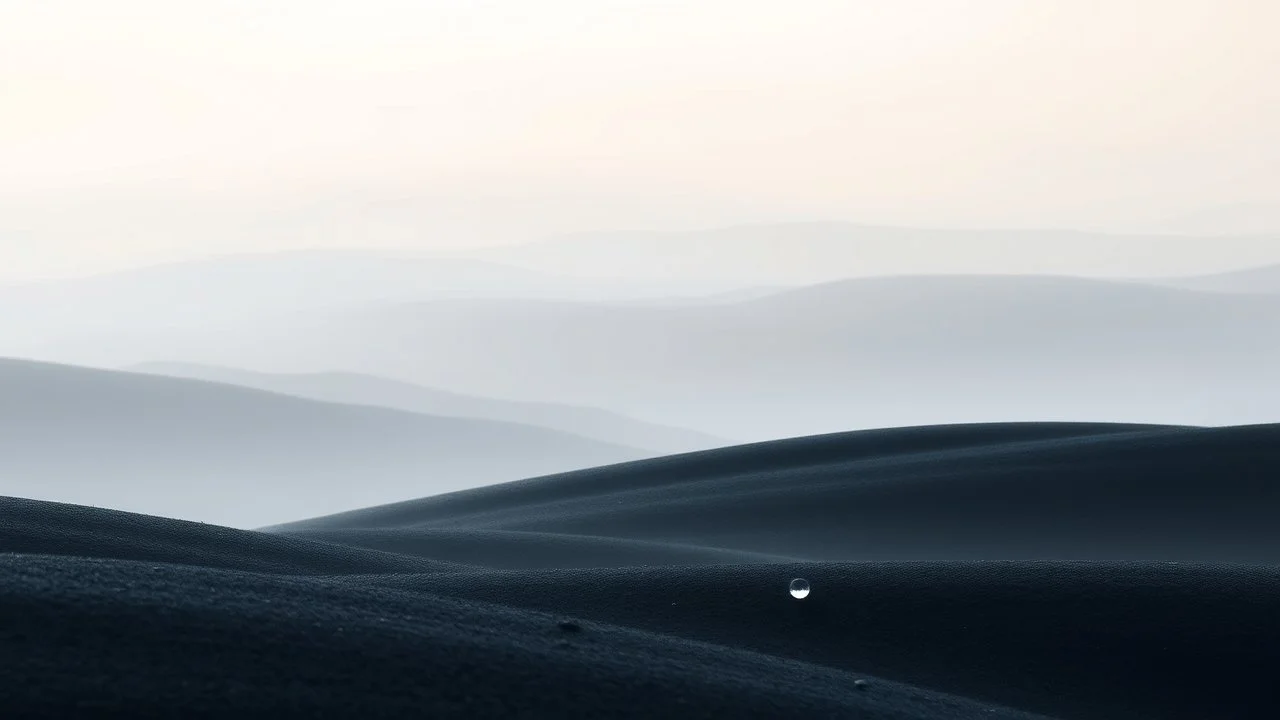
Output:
x,y
134,131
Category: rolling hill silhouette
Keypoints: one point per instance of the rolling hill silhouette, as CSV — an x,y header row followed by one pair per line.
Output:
x,y
847,355
233,290
803,253
243,457
1051,491
357,389
1264,280
1084,571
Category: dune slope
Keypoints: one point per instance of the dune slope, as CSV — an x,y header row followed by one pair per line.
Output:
x,y
979,492
1119,585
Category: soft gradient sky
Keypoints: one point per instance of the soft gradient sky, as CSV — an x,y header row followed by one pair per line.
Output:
x,y
140,130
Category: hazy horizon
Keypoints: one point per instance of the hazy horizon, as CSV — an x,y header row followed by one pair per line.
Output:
x,y
1183,255
152,132
888,359
618,228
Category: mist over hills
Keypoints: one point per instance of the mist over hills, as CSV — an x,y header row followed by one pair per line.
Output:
x,y
1239,218
873,352
234,289
632,364
716,265
242,457
814,252
1264,280
357,389
629,360
979,567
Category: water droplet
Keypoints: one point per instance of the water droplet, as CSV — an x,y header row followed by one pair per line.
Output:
x,y
799,588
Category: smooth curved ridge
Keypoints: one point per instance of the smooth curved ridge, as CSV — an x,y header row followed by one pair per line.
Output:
x,y
1085,572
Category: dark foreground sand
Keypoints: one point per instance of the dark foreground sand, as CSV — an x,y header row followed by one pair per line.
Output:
x,y
1014,571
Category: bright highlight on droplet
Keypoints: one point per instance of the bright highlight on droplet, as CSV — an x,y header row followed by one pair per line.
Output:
x,y
799,588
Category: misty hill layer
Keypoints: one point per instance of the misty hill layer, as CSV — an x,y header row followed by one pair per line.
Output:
x,y
357,389
1263,280
828,358
243,457
809,252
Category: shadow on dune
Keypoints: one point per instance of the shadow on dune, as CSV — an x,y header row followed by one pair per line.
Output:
x,y
1075,571
979,492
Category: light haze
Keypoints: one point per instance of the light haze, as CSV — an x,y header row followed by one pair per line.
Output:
x,y
140,131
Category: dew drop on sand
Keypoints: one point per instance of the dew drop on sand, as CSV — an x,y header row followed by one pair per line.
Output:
x,y
799,588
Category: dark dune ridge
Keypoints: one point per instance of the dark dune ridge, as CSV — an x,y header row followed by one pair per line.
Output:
x,y
981,492
995,571
45,528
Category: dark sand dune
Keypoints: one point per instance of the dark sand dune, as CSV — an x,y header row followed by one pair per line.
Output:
x,y
149,641
1095,641
506,549
33,527
981,492
1066,570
